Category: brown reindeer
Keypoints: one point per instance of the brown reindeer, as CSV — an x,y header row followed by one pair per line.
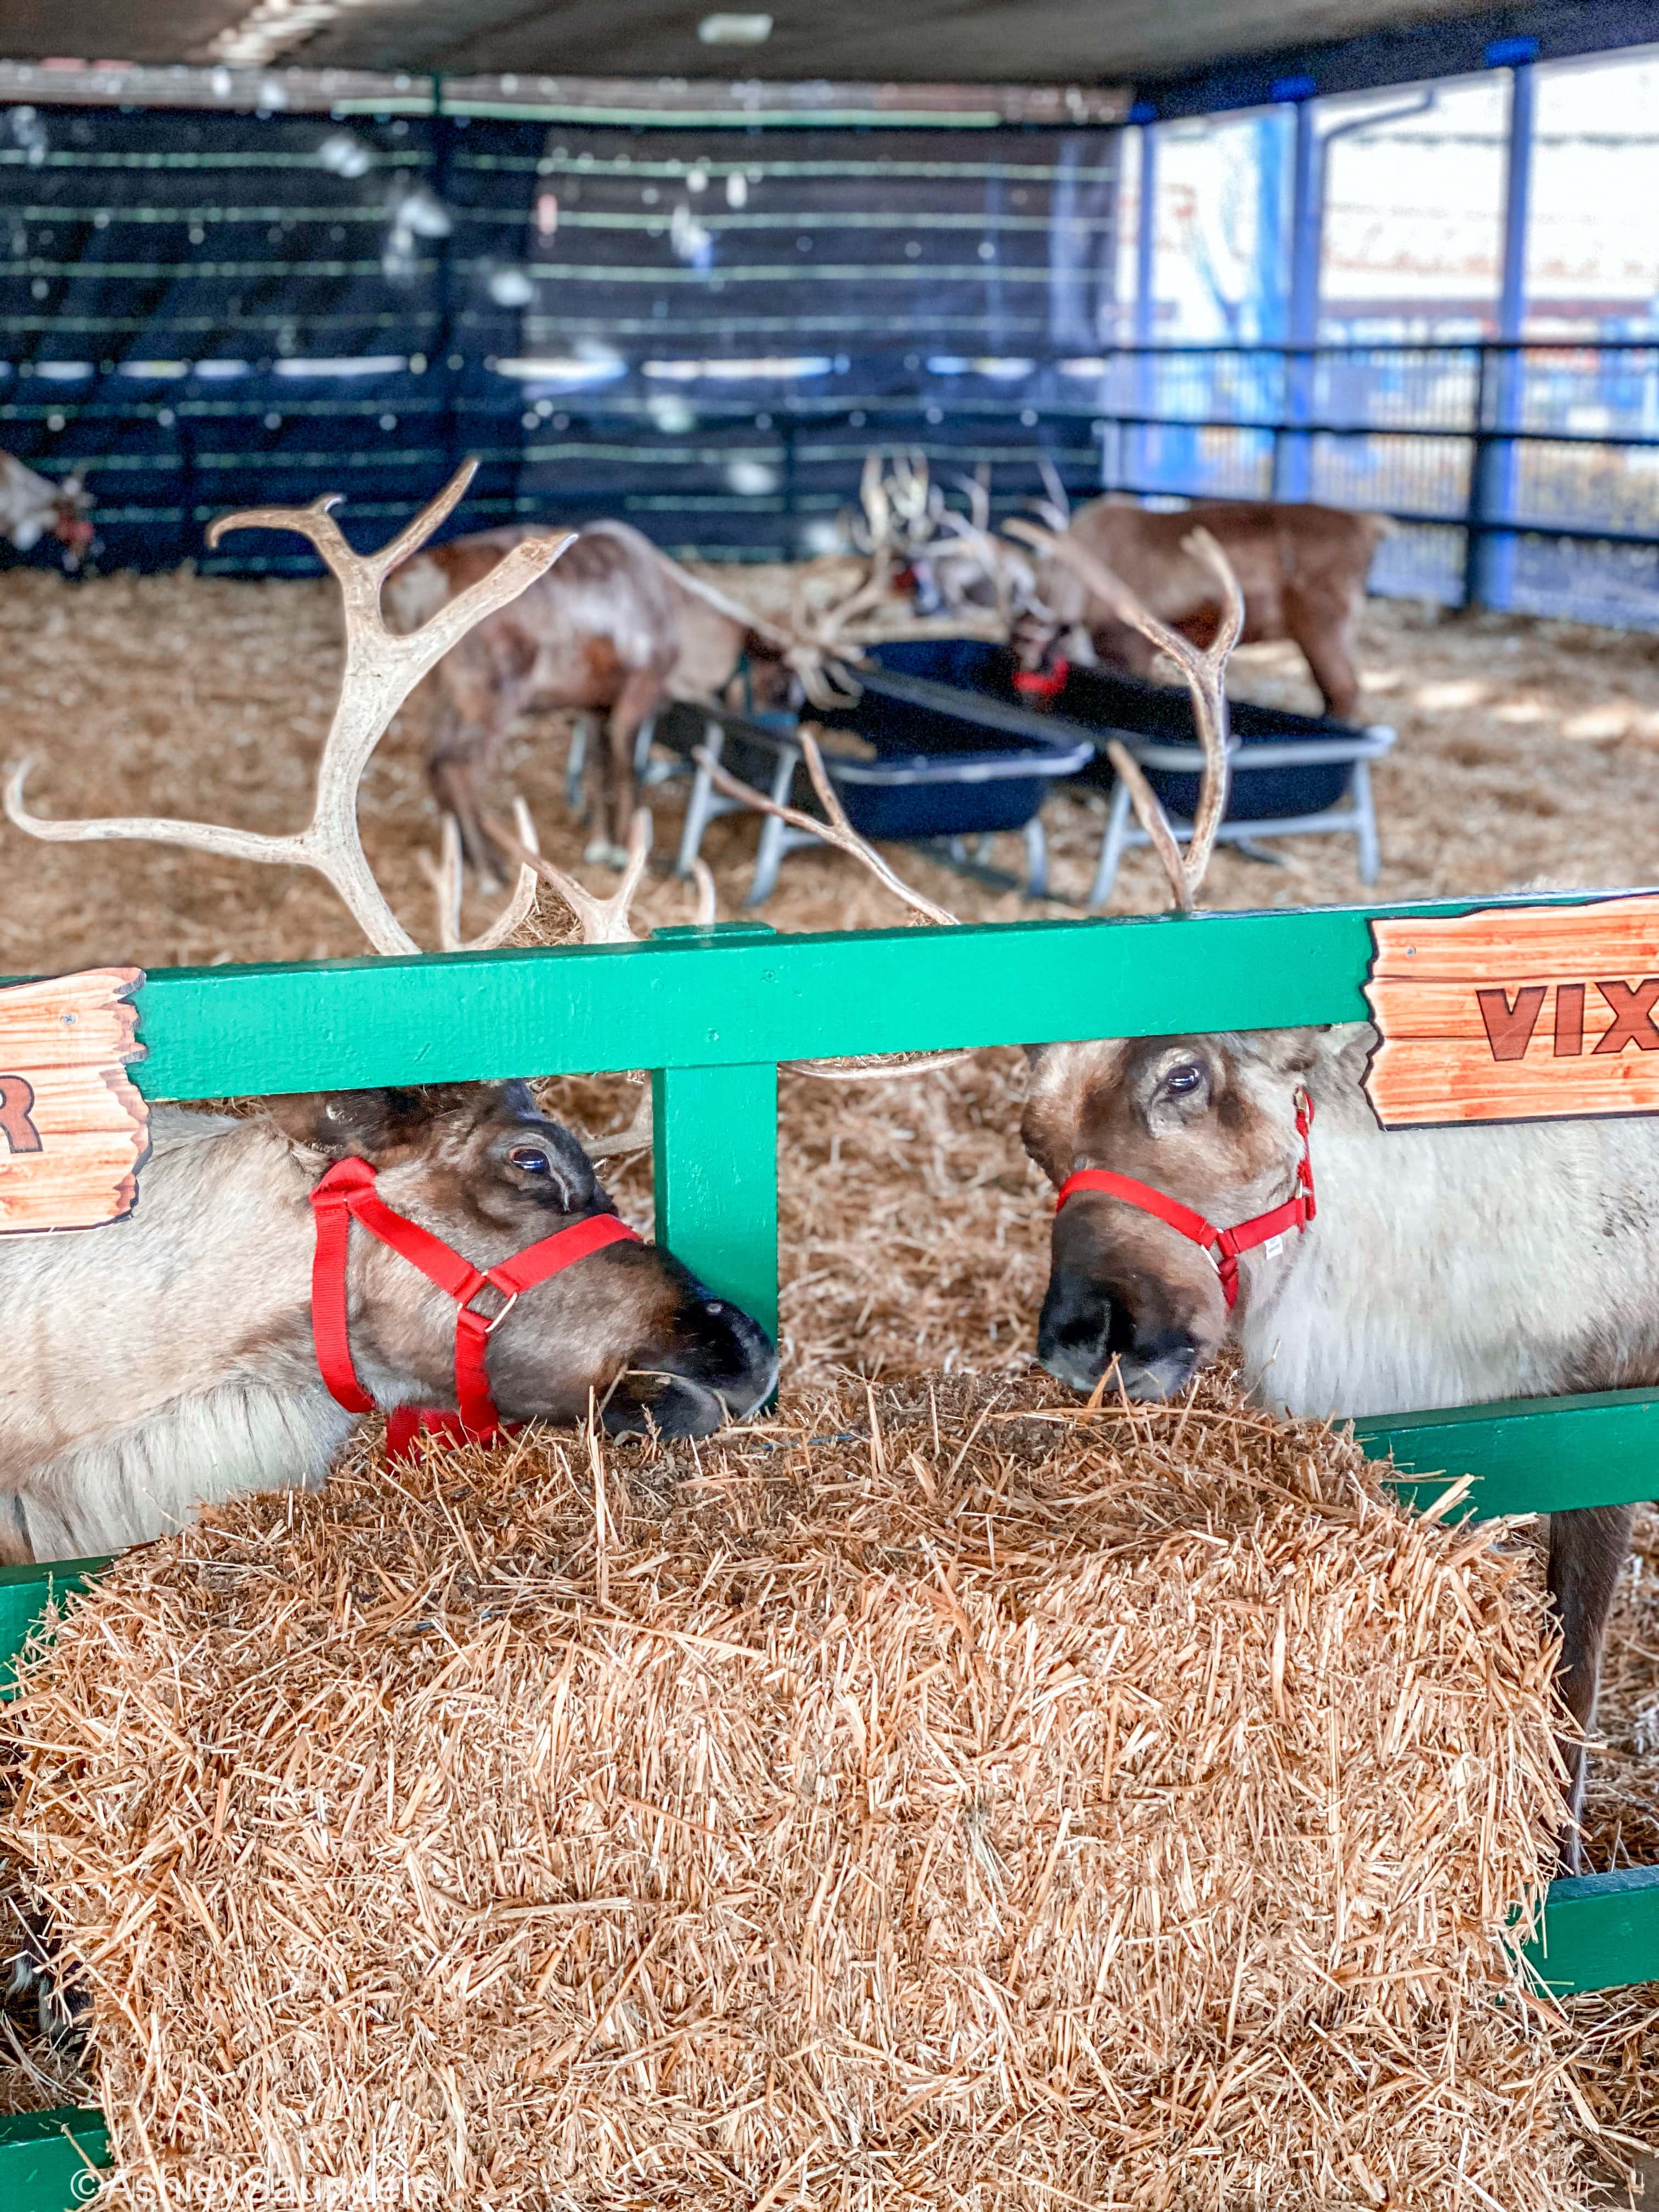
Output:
x,y
1302,570
1442,1267
615,628
188,1352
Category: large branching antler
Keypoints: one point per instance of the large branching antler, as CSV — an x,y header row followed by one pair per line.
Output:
x,y
1205,673
836,830
382,669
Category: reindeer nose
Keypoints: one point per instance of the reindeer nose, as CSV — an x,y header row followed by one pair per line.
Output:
x,y
745,1360
1083,1331
1080,1330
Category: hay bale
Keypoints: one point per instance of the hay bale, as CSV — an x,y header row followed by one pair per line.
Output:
x,y
949,1797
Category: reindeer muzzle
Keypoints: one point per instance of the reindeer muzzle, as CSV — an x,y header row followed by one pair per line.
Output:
x,y
1222,1246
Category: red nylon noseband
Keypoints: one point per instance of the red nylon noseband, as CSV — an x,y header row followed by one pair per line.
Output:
x,y
1043,684
347,1193
1224,1245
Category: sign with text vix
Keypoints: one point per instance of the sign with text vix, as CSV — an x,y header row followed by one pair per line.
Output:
x,y
74,1131
1516,1014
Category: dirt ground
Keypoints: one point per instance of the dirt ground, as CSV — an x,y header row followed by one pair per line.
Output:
x,y
914,1231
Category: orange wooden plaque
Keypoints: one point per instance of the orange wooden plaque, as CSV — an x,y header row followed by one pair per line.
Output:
x,y
74,1129
1516,1014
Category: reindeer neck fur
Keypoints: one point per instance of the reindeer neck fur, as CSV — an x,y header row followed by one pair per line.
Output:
x,y
165,1355
1456,1266
697,587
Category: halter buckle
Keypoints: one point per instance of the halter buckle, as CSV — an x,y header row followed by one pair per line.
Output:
x,y
492,1322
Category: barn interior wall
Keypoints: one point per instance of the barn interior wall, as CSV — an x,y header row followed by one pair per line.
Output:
x,y
702,328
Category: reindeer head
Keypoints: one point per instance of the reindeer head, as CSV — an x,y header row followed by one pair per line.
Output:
x,y
480,1166
1207,1125
1209,1122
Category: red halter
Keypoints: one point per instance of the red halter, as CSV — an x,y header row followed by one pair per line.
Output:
x,y
1043,684
346,1194
1224,1245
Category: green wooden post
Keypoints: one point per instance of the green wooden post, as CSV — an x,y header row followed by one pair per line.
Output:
x,y
47,2159
25,1593
1601,1931
1527,1454
715,1147
715,1144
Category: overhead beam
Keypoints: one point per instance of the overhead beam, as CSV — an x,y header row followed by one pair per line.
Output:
x,y
1493,38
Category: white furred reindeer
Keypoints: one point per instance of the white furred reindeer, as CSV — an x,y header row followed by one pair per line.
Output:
x,y
1443,1267
32,507
185,1354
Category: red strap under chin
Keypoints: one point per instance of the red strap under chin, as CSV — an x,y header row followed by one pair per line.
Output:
x,y
347,1192
1224,1245
1045,684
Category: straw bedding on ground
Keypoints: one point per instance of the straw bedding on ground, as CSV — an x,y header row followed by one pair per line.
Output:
x,y
944,1796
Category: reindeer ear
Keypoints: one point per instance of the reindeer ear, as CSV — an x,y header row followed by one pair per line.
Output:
x,y
339,1124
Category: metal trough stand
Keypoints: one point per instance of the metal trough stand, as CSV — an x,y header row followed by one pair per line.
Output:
x,y
1357,818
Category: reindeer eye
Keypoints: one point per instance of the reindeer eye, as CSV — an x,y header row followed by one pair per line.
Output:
x,y
1184,1079
530,1161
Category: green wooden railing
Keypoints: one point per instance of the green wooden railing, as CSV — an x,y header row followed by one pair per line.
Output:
x,y
712,1012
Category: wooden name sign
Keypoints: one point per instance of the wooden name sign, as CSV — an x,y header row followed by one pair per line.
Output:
x,y
1516,1014
74,1131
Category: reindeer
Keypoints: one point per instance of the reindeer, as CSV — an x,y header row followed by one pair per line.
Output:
x,y
228,1335
31,507
1302,570
617,628
1431,1273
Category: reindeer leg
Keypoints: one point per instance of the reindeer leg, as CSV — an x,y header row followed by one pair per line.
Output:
x,y
1587,1551
453,773
640,695
1325,637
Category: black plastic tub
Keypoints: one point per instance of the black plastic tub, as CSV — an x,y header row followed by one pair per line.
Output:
x,y
1098,704
938,771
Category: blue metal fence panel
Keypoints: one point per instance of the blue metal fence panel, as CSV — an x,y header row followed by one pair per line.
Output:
x,y
205,310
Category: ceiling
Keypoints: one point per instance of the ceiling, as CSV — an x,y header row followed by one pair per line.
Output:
x,y
963,41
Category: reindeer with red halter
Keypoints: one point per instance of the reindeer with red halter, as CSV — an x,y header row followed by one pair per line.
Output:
x,y
411,1250
1239,1187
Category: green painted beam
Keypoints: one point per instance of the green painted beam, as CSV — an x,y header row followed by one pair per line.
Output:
x,y
25,1593
1600,1932
1527,1454
701,999
46,2158
714,1134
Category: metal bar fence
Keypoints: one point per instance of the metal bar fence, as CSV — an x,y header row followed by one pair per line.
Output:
x,y
713,1012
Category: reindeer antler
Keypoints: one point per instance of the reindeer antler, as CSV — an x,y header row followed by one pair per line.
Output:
x,y
382,669
1206,674
602,920
835,830
1056,508
447,876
